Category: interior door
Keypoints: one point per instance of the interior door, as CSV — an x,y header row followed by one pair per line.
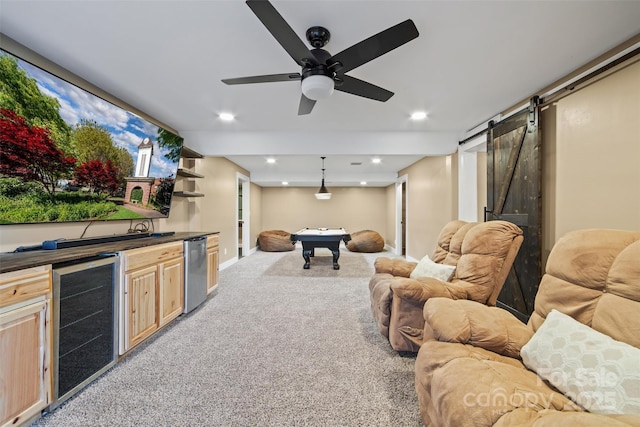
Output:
x,y
514,194
404,219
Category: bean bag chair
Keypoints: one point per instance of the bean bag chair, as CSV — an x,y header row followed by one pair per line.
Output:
x,y
275,241
365,241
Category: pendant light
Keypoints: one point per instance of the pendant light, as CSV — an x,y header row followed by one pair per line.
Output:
x,y
323,193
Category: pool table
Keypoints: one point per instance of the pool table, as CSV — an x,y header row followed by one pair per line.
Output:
x,y
312,238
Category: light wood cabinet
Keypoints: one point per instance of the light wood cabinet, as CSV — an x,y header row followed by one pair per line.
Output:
x,y
140,289
153,291
212,262
172,290
25,344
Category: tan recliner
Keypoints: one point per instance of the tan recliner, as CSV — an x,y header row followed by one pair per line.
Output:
x,y
386,269
469,371
482,253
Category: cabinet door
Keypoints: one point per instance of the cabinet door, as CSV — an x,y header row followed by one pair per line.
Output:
x,y
212,269
25,379
142,296
171,289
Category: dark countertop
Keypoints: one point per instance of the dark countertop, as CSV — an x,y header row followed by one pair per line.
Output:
x,y
11,261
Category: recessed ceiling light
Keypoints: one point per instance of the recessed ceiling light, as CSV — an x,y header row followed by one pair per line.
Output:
x,y
363,182
418,115
226,117
375,160
271,160
285,183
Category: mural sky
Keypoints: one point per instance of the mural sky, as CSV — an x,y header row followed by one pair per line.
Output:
x,y
127,129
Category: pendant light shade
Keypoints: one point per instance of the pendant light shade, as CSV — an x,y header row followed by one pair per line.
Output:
x,y
323,193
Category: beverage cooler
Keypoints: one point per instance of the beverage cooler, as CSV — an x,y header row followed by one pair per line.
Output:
x,y
84,323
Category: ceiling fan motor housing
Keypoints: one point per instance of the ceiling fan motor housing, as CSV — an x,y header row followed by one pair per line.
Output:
x,y
321,67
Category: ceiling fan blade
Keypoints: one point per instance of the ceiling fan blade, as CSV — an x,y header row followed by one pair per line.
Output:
x,y
361,88
282,32
374,46
306,105
267,78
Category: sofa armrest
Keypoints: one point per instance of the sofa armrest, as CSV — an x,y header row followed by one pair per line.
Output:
x,y
406,322
469,322
422,289
395,266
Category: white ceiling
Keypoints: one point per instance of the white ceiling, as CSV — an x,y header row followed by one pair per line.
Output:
x,y
472,60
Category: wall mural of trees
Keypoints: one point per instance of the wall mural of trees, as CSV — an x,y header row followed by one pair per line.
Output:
x,y
66,155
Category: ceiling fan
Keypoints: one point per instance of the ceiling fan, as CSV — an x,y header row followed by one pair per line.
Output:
x,y
322,72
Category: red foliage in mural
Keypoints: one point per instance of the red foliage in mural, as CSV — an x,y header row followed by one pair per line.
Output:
x,y
29,153
99,176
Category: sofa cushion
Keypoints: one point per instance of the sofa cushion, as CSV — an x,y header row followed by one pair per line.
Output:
x,y
595,371
428,268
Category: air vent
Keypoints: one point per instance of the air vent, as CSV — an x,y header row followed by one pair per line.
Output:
x,y
356,163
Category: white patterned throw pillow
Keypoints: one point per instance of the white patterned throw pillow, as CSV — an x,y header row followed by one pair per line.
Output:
x,y
592,369
428,268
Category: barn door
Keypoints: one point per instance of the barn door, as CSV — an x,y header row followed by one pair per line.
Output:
x,y
514,194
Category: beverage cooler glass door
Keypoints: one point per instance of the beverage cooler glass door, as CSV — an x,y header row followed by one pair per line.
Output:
x,y
84,323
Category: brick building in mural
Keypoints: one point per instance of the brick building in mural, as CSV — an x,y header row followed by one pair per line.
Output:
x,y
141,179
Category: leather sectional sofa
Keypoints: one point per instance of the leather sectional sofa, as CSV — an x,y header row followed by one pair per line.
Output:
x,y
576,361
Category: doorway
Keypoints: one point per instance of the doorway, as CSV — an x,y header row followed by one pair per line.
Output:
x,y
403,220
243,215
401,216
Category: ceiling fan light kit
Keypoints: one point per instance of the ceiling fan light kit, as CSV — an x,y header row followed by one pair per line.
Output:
x,y
317,87
321,72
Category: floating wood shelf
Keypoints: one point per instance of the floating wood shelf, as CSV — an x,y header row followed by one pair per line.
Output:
x,y
187,194
188,153
188,174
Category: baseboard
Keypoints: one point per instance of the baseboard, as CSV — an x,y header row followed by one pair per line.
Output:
x,y
228,263
233,260
392,249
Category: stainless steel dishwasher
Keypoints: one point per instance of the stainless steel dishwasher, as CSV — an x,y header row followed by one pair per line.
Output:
x,y
195,272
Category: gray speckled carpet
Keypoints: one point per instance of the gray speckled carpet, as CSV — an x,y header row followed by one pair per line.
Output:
x,y
266,349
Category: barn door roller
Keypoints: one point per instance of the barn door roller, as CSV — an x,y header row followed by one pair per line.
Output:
x,y
533,110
